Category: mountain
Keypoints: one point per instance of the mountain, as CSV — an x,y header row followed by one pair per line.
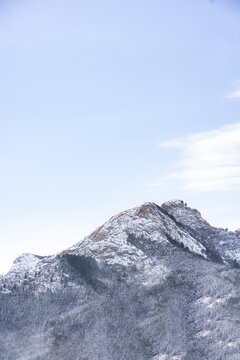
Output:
x,y
154,282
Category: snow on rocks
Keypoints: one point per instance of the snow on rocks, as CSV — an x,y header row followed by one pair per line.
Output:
x,y
224,245
121,240
24,263
110,242
184,214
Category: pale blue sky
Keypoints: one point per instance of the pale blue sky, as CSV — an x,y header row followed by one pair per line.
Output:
x,y
108,104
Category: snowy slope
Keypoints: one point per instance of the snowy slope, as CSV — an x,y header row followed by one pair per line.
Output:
x,y
221,242
110,242
120,241
153,283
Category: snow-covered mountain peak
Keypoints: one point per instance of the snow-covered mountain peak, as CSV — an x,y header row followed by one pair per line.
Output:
x,y
185,214
24,262
148,208
133,289
223,244
138,237
120,240
174,203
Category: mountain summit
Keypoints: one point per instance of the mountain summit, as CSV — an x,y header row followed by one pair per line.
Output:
x,y
153,282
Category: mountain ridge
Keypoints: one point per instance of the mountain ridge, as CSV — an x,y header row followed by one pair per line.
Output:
x,y
172,222
152,283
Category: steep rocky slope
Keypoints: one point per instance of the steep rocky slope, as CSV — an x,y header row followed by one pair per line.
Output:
x,y
154,282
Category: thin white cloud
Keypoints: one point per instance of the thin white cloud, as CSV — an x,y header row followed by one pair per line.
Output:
x,y
210,160
234,95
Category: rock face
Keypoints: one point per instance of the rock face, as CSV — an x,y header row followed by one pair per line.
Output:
x,y
154,282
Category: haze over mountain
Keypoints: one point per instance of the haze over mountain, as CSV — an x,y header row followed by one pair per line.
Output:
x,y
154,282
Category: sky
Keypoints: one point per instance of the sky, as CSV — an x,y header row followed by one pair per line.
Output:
x,y
106,105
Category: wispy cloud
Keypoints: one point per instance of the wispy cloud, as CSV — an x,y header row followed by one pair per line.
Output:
x,y
210,160
235,94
